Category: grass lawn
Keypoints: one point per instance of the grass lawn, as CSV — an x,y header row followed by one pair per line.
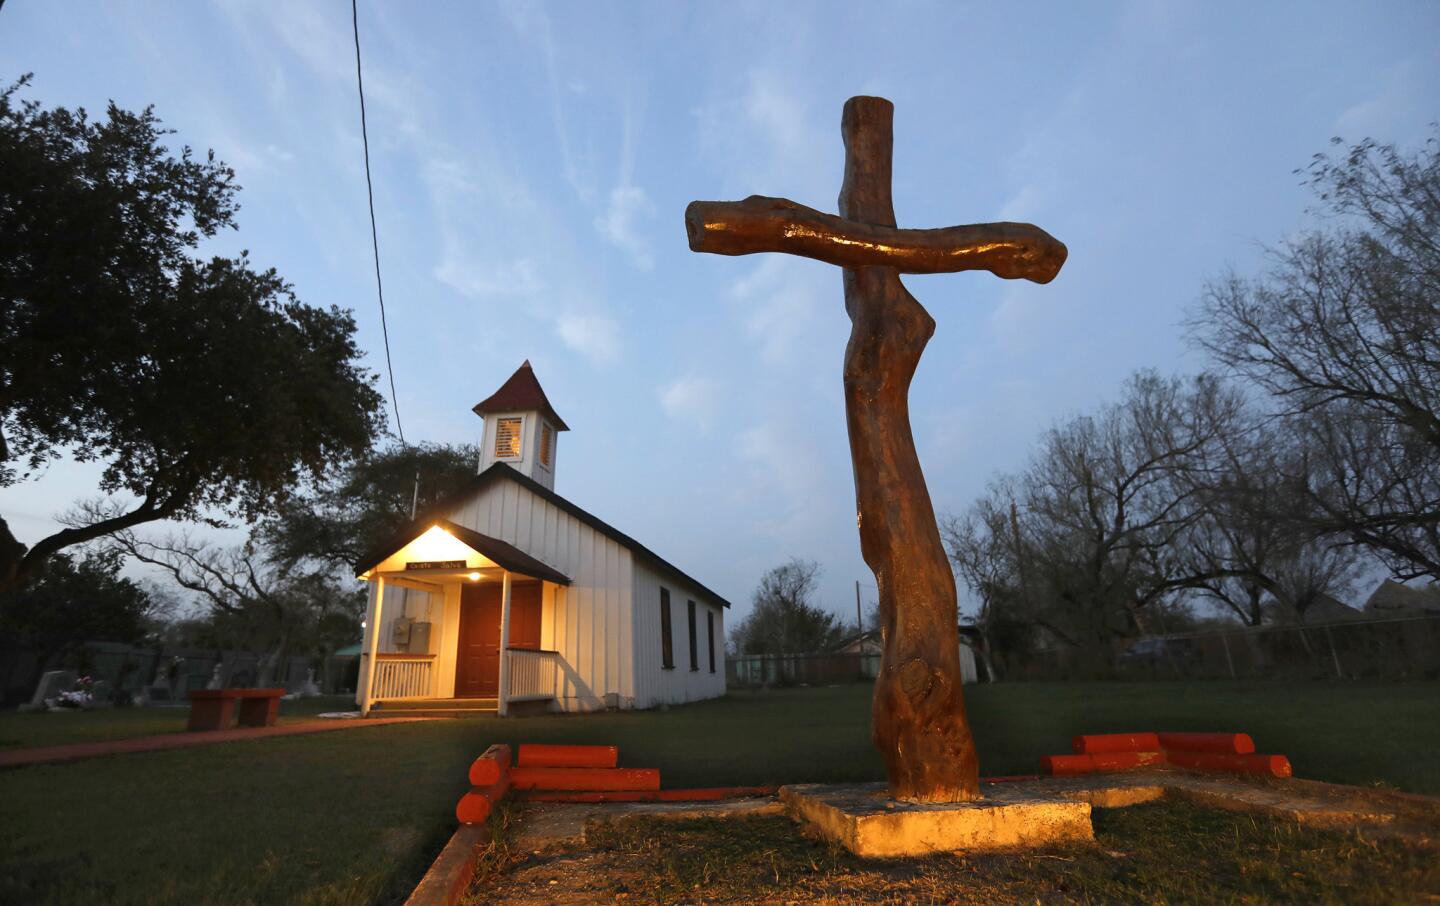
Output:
x,y
1164,852
355,816
58,728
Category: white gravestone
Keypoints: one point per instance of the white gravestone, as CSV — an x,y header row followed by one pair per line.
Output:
x,y
52,683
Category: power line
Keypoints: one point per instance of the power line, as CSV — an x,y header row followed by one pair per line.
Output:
x,y
374,233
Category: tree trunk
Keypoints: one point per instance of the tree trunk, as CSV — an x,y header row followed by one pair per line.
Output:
x,y
918,716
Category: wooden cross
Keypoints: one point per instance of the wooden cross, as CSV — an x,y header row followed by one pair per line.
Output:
x,y
918,715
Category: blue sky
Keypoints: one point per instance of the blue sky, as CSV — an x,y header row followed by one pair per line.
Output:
x,y
532,163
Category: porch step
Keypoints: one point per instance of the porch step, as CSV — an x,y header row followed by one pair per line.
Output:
x,y
437,704
436,707
455,713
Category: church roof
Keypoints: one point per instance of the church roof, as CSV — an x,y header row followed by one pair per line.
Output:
x,y
522,392
500,472
506,555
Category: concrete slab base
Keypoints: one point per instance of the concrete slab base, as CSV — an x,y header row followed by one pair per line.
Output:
x,y
862,818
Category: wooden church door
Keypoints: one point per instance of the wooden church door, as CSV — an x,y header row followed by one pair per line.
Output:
x,y
477,665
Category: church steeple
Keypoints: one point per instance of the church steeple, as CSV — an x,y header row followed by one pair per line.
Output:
x,y
521,427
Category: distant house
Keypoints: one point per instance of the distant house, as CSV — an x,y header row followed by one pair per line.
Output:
x,y
1393,599
509,594
1324,609
870,643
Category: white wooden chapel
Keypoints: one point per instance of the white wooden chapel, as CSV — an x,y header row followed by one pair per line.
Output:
x,y
509,597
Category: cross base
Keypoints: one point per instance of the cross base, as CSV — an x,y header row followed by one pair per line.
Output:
x,y
862,818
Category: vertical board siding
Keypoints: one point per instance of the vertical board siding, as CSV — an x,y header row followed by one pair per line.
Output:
x,y
588,622
655,685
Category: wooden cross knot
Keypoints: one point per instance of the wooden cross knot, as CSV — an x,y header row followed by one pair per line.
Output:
x,y
918,717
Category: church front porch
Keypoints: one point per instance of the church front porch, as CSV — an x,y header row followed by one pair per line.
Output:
x,y
455,628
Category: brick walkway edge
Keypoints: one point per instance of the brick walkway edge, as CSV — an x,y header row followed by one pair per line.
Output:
x,y
50,754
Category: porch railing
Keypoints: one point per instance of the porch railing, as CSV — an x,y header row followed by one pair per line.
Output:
x,y
404,676
532,674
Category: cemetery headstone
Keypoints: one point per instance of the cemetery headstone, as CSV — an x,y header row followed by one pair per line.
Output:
x,y
48,690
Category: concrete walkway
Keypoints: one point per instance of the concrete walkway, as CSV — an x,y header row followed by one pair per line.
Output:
x,y
183,740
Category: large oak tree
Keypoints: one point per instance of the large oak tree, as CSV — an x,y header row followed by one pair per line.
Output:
x,y
203,386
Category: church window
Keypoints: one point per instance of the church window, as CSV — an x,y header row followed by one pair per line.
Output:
x,y
710,628
667,645
507,438
694,651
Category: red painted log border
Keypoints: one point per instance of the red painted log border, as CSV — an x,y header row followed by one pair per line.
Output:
x,y
449,876
1232,753
594,779
1231,743
491,766
1116,742
548,756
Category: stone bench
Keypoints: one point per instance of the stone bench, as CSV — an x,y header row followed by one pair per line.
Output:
x,y
214,709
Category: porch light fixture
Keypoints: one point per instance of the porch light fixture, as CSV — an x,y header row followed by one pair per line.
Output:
x,y
473,577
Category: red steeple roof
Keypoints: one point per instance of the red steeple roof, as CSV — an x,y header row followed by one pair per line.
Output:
x,y
522,392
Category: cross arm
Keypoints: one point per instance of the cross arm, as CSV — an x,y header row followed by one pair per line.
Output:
x,y
761,224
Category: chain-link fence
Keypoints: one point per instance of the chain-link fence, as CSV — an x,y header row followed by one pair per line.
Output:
x,y
799,669
1399,648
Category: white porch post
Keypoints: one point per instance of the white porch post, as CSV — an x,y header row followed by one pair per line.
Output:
x,y
372,646
504,691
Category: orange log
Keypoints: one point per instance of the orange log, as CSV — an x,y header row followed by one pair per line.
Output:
x,y
523,778
475,806
1125,761
1067,765
1115,742
1233,743
491,766
1271,765
535,756
472,808
696,795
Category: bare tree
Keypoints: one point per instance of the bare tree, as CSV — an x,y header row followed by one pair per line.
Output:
x,y
986,559
1254,538
1344,332
273,609
1103,507
784,620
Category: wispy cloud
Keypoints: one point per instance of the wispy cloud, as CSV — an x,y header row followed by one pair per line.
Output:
x,y
787,472
692,399
595,336
620,223
531,20
1377,114
782,301
770,131
479,279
